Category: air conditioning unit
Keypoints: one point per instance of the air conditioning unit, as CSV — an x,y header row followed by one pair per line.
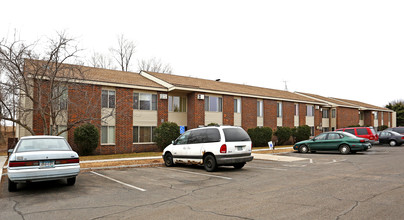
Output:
x,y
201,96
317,107
163,96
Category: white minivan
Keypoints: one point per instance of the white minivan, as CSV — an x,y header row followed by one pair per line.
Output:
x,y
211,147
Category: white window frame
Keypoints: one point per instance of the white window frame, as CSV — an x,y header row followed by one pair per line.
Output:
x,y
109,94
237,105
182,103
296,109
152,105
109,137
311,107
219,103
279,109
152,129
260,108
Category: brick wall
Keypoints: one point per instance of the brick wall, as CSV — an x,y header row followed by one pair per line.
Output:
x,y
41,120
162,109
347,117
195,111
368,118
302,114
248,113
270,114
228,110
317,120
288,114
124,120
84,103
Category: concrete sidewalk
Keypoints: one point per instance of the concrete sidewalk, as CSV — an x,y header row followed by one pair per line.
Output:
x,y
2,163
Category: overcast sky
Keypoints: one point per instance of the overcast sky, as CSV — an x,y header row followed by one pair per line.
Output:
x,y
346,49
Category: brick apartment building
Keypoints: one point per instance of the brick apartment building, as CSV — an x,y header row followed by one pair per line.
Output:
x,y
142,101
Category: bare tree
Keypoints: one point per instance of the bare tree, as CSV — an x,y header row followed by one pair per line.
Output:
x,y
123,54
37,86
154,65
100,60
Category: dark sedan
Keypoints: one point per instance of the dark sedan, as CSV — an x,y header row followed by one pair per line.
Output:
x,y
334,141
391,137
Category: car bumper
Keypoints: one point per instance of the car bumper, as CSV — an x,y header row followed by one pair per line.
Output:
x,y
233,159
365,146
36,174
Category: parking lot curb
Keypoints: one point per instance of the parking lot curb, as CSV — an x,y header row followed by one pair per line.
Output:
x,y
88,169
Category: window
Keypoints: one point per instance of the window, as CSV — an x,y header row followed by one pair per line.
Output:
x,y
325,113
321,136
296,109
59,99
361,115
204,136
260,109
143,134
279,110
376,115
235,135
177,104
351,131
333,136
312,131
310,110
108,99
107,134
362,131
183,139
326,129
237,105
382,116
144,101
213,104
333,113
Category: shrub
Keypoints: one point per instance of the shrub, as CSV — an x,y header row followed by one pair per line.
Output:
x,y
301,133
213,124
166,133
382,127
351,126
283,134
86,138
260,136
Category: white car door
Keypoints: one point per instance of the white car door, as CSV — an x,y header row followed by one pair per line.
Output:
x,y
179,148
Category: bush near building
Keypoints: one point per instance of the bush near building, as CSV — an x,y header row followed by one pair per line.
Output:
x,y
382,127
283,134
86,139
301,133
260,136
166,133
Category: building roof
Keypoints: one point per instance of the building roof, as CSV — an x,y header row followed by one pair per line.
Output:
x,y
364,105
205,85
330,101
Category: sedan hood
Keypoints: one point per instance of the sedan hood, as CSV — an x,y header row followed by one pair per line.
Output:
x,y
43,155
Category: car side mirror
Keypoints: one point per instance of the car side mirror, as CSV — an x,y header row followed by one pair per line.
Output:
x,y
173,142
10,150
314,139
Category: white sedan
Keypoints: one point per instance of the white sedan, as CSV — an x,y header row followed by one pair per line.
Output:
x,y
42,158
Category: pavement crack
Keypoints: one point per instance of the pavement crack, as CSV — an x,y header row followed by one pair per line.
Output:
x,y
15,209
215,213
350,210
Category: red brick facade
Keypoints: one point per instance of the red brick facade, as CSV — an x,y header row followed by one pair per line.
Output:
x,y
347,117
124,120
288,114
195,110
317,120
302,114
228,110
248,113
162,109
270,119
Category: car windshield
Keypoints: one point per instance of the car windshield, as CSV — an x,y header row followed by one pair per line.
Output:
x,y
235,134
395,133
348,135
43,144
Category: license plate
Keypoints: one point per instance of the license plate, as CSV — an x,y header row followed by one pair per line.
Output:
x,y
47,164
239,148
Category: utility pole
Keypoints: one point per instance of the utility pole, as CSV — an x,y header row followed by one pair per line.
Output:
x,y
286,85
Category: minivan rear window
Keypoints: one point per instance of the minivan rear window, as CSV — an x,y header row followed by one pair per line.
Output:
x,y
235,135
204,136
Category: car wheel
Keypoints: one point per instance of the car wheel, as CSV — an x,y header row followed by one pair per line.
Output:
x,y
168,160
303,149
71,181
344,149
210,163
239,165
392,143
12,186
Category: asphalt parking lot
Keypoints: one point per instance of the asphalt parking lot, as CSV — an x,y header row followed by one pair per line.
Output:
x,y
366,185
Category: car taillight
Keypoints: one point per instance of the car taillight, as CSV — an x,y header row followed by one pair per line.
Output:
x,y
362,141
24,163
402,138
76,160
371,137
223,148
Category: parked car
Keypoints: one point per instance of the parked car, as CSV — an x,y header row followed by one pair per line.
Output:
x,y
210,147
333,141
363,132
391,137
399,130
42,158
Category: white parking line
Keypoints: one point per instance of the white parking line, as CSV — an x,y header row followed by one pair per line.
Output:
x,y
202,174
267,168
117,181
